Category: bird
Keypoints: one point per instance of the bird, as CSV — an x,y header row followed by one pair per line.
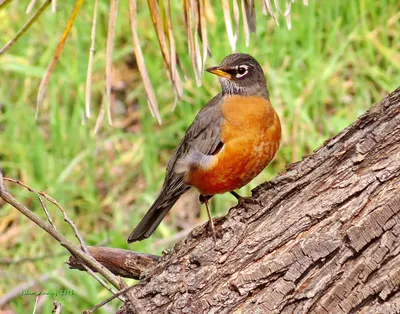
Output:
x,y
231,140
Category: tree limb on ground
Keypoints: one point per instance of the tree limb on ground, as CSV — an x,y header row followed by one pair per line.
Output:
x,y
120,262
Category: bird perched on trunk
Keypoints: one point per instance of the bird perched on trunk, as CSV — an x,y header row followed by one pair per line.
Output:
x,y
231,140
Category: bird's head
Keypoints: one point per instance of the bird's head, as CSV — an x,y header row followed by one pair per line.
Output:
x,y
241,74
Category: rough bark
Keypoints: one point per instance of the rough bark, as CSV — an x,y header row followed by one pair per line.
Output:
x,y
324,237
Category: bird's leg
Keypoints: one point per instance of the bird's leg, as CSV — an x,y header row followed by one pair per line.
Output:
x,y
204,199
238,197
242,200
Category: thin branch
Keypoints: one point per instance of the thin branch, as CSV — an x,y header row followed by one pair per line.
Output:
x,y
58,205
96,307
101,281
46,211
85,258
68,220
90,261
24,28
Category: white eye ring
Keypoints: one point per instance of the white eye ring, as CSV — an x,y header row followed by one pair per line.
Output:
x,y
242,67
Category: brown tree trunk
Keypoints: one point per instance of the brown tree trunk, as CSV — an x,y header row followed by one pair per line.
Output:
x,y
324,238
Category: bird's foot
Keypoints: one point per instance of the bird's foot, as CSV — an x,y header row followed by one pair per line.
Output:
x,y
242,200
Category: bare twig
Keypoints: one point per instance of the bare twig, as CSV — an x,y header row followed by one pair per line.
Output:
x,y
69,221
101,281
96,307
90,263
58,205
24,28
46,211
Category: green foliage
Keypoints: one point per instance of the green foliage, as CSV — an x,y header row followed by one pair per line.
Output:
x,y
339,58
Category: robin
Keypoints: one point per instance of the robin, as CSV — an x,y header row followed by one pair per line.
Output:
x,y
231,140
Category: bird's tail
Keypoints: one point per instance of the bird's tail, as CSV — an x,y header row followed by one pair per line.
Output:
x,y
155,215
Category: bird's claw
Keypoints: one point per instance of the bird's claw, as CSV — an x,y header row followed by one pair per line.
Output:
x,y
243,200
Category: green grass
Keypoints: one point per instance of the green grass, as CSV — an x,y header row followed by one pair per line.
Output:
x,y
339,59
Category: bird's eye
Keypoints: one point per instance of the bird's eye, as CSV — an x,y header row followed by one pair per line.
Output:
x,y
242,70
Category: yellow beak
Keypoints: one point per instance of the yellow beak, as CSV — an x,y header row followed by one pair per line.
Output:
x,y
218,71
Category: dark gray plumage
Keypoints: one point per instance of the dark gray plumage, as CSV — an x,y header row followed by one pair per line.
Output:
x,y
204,136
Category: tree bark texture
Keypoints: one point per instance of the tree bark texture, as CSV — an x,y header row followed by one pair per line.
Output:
x,y
323,237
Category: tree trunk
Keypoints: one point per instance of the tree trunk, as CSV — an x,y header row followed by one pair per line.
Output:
x,y
323,237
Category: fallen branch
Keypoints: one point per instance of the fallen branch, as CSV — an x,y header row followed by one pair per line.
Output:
x,y
120,262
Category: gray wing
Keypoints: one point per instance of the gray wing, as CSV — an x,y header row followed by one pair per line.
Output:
x,y
204,136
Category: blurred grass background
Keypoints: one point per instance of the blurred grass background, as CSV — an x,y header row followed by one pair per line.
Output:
x,y
339,59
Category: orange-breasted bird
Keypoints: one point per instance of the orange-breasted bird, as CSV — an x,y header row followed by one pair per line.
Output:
x,y
231,140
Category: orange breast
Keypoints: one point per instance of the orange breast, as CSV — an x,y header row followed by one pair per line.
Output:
x,y
251,133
